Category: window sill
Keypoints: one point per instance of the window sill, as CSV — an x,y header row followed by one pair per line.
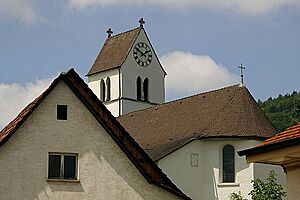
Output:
x,y
228,185
63,180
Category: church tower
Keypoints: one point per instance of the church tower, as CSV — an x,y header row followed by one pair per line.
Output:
x,y
127,75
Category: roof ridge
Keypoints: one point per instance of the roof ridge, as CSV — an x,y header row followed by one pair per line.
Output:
x,y
121,33
183,98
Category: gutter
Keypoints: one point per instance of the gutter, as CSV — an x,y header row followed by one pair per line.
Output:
x,y
269,147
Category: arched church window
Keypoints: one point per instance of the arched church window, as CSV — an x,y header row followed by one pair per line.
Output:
x,y
108,89
139,88
146,85
102,90
228,164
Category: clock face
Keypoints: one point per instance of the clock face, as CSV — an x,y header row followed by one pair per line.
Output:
x,y
142,54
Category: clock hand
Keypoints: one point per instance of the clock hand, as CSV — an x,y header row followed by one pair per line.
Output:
x,y
139,50
145,52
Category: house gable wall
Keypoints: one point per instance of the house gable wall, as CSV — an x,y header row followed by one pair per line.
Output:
x,y
105,172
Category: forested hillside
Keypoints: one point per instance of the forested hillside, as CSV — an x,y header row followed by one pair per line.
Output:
x,y
283,111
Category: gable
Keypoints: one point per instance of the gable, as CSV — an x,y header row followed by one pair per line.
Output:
x,y
100,159
154,65
118,48
115,131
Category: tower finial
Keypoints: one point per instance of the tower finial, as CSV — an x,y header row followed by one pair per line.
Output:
x,y
142,22
242,75
109,32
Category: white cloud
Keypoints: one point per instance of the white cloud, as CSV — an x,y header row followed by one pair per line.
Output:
x,y
190,74
20,10
251,7
14,97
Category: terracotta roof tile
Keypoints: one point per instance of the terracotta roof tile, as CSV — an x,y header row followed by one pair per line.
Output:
x,y
227,112
114,51
290,133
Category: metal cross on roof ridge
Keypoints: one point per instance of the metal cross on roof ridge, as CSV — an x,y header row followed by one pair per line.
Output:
x,y
142,22
109,32
242,75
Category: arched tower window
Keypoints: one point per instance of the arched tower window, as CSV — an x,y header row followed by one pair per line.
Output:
x,y
108,89
228,164
139,88
146,83
102,90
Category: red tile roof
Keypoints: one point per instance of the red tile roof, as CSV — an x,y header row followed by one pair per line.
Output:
x,y
146,166
290,133
289,137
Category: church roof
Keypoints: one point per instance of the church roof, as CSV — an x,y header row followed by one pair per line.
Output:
x,y
114,51
226,112
152,173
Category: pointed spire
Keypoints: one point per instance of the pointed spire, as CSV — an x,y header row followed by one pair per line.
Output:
x,y
142,22
109,32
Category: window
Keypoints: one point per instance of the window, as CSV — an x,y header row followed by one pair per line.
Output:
x,y
102,90
146,83
139,88
62,166
62,112
194,159
228,164
108,89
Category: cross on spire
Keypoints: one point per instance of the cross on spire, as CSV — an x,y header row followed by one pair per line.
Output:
x,y
142,22
242,75
109,32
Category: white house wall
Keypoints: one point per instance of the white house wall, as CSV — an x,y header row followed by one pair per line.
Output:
x,y
94,85
205,181
130,105
262,171
105,172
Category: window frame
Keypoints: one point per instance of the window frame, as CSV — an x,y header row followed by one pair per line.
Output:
x,y
61,176
102,95
233,163
146,89
139,88
107,91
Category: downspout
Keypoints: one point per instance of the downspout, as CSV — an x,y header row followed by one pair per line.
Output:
x,y
119,91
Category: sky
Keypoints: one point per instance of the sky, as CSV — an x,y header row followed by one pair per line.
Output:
x,y
200,43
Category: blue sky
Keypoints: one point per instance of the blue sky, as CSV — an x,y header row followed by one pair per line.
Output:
x,y
200,43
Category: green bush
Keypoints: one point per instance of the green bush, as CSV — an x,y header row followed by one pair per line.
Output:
x,y
263,190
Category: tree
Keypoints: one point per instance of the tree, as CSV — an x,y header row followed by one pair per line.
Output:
x,y
283,111
263,190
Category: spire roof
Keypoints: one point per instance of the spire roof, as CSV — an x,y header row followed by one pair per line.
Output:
x,y
114,51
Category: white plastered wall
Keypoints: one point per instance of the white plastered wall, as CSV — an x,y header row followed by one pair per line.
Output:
x,y
105,172
205,181
94,85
